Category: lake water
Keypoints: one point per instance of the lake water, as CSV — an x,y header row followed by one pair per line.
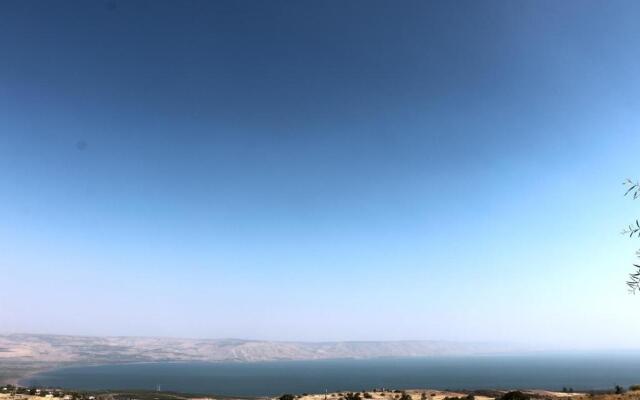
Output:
x,y
581,372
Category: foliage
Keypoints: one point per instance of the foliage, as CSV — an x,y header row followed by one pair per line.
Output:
x,y
633,189
619,389
287,396
515,395
634,388
352,396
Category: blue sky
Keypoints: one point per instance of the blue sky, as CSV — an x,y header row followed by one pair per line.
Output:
x,y
362,170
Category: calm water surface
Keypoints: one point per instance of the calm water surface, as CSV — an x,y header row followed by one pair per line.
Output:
x,y
270,378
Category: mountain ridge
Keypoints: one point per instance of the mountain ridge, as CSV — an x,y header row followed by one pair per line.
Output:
x,y
72,348
22,354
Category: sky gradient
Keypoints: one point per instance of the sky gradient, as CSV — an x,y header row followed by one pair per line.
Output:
x,y
325,170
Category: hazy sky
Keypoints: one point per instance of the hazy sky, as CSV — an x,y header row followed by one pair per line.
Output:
x,y
320,170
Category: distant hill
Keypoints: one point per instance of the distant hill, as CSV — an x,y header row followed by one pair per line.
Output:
x,y
87,349
22,354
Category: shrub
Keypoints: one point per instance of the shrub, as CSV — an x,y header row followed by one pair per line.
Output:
x,y
352,396
515,395
287,396
367,395
619,389
634,388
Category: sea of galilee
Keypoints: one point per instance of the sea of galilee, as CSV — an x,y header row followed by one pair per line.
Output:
x,y
270,378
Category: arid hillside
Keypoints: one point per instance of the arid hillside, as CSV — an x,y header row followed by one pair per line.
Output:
x,y
84,349
21,354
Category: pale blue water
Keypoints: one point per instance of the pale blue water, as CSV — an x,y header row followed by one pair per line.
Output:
x,y
581,372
